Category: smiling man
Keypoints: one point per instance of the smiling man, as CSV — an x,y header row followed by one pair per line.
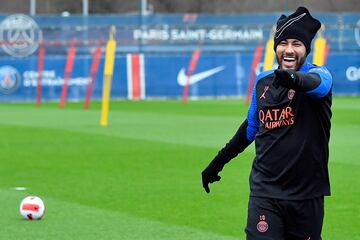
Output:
x,y
289,120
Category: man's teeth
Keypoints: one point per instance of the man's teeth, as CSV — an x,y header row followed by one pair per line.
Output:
x,y
289,59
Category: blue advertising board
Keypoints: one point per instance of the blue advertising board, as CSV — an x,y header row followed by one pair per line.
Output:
x,y
215,75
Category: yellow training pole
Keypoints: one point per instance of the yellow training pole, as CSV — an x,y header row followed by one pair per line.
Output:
x,y
108,75
269,53
319,49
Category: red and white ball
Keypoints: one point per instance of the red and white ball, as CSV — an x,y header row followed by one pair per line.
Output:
x,y
32,208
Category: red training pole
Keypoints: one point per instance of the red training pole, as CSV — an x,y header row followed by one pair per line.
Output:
x,y
255,63
40,71
327,51
192,65
68,71
93,72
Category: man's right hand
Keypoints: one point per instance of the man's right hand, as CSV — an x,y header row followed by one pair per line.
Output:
x,y
211,174
236,145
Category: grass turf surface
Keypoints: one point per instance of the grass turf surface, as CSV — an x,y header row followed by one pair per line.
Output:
x,y
139,178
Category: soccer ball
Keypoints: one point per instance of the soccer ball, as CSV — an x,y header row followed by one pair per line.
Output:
x,y
32,208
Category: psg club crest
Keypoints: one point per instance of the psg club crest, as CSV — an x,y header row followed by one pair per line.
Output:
x,y
20,35
9,79
291,94
262,226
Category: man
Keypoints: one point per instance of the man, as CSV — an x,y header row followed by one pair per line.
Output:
x,y
289,119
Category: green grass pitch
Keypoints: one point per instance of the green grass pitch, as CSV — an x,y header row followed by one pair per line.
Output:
x,y
139,178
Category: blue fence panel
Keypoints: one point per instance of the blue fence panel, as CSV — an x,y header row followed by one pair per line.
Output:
x,y
162,76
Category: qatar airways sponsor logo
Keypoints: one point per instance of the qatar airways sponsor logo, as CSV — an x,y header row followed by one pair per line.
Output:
x,y
353,73
277,117
49,78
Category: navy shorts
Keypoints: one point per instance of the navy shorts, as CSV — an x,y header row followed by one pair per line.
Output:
x,y
276,219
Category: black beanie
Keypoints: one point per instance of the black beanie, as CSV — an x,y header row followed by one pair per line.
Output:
x,y
300,25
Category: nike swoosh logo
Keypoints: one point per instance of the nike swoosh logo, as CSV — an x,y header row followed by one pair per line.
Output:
x,y
182,77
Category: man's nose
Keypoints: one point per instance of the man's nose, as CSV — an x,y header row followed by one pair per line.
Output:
x,y
289,49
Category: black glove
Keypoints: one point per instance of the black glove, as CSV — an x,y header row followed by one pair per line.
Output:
x,y
286,78
236,145
211,173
